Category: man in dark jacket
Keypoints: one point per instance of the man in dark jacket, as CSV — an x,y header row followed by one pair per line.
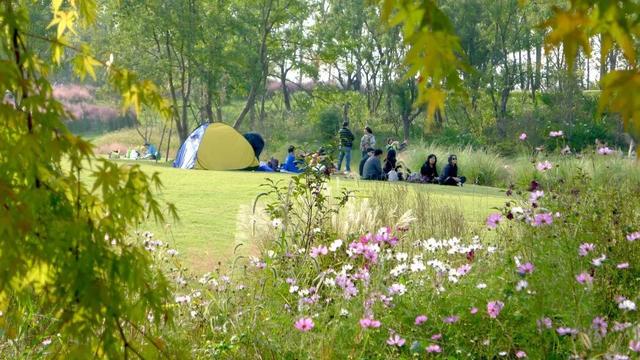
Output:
x,y
373,167
364,159
346,142
450,173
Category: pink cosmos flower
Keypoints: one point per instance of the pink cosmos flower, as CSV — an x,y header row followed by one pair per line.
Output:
x,y
395,340
605,151
421,319
558,133
319,250
535,195
542,219
463,270
304,324
523,137
435,348
436,337
584,278
618,327
493,220
623,266
544,166
545,323
494,308
585,248
564,331
526,268
521,354
451,319
474,310
634,345
600,325
369,322
633,236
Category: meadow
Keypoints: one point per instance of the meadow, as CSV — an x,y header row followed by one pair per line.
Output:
x,y
215,206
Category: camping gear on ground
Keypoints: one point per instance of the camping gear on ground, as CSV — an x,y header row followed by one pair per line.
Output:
x,y
218,146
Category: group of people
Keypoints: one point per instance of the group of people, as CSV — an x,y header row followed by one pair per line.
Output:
x,y
147,151
371,168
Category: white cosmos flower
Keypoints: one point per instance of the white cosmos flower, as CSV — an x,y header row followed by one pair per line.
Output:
x,y
183,299
481,286
330,282
627,305
397,289
599,260
276,223
402,256
522,284
172,252
344,312
399,270
335,245
417,266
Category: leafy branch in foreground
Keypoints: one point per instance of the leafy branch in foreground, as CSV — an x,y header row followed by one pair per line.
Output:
x,y
65,247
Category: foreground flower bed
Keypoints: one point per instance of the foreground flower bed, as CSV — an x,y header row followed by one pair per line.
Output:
x,y
553,274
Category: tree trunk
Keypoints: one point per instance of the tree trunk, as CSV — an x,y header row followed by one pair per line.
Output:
x,y
164,129
169,143
219,112
406,125
345,112
266,29
285,89
538,76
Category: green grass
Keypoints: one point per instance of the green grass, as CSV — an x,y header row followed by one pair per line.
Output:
x,y
214,208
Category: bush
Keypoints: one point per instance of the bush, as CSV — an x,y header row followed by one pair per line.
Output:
x,y
329,122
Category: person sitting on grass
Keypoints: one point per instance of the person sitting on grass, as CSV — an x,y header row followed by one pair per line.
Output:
x,y
390,162
450,173
366,156
373,167
152,152
429,170
291,163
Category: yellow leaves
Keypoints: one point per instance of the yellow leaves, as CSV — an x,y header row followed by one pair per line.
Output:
x,y
55,5
65,20
571,28
621,94
434,98
85,64
435,53
57,50
624,40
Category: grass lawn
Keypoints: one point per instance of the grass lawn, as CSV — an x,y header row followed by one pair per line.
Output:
x,y
213,207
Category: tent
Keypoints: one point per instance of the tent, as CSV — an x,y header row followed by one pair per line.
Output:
x,y
218,146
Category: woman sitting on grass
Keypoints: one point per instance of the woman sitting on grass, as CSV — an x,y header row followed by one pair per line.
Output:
x,y
390,162
450,173
429,170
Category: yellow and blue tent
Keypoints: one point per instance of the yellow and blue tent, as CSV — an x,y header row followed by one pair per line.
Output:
x,y
218,146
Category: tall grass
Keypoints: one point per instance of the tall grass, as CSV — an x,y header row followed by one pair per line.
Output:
x,y
485,166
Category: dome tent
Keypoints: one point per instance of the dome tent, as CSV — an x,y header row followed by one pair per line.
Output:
x,y
218,146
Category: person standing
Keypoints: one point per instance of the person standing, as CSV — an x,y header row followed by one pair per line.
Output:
x,y
367,142
346,143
